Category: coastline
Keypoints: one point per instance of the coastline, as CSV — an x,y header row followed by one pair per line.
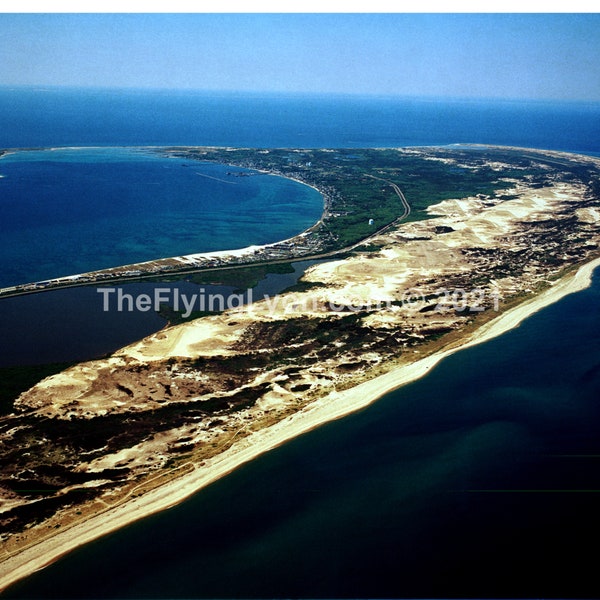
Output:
x,y
305,245
328,408
246,256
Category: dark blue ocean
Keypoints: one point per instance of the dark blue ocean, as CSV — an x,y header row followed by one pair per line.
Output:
x,y
72,117
480,480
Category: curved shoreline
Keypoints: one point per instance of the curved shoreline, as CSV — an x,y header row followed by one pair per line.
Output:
x,y
326,409
163,266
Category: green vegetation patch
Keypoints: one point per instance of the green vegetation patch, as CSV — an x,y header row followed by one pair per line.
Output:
x,y
358,184
241,278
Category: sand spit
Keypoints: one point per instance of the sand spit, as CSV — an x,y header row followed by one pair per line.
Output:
x,y
335,405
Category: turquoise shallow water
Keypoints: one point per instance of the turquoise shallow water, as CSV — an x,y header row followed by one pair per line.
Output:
x,y
74,210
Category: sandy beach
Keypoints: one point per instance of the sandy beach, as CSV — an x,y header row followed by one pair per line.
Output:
x,y
328,408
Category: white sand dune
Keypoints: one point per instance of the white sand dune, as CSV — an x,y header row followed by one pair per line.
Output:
x,y
333,406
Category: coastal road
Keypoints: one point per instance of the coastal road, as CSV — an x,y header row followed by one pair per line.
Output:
x,y
398,191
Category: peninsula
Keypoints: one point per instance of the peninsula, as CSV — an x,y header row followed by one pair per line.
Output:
x,y
435,249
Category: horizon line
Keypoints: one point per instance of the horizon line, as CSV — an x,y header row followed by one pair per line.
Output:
x,y
41,87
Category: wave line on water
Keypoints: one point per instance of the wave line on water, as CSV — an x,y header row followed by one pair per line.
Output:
x,y
215,178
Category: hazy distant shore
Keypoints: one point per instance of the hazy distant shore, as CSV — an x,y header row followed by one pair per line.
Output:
x,y
334,406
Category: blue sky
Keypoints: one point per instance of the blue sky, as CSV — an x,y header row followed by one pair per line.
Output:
x,y
541,56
